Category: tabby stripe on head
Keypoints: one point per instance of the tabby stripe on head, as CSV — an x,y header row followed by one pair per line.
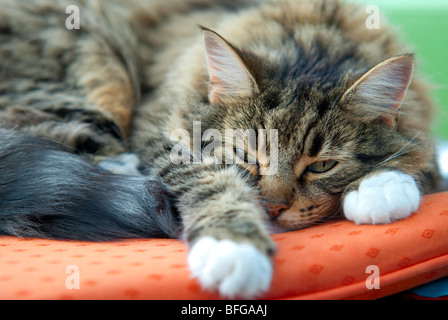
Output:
x,y
308,148
370,158
310,126
316,146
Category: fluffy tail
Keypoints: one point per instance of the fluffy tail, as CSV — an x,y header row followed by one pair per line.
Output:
x,y
48,192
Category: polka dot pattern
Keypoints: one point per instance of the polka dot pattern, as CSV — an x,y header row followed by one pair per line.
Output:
x,y
327,261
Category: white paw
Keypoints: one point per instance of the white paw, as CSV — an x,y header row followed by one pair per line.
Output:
x,y
382,198
125,163
235,270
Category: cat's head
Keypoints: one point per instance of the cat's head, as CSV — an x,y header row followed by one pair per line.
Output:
x,y
335,124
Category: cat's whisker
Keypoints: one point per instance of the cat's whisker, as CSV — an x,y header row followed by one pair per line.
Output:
x,y
400,152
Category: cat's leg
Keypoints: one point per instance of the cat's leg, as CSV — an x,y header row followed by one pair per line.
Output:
x,y
236,270
381,198
230,249
389,194
88,74
111,87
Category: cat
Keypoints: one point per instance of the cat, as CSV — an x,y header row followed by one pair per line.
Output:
x,y
352,122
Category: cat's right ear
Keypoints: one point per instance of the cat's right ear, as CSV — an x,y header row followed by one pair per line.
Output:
x,y
378,94
229,76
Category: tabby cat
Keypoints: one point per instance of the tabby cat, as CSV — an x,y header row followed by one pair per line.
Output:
x,y
351,123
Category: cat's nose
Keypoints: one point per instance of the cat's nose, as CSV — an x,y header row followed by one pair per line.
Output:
x,y
276,208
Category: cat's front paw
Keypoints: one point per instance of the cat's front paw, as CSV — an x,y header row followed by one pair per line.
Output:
x,y
234,269
382,198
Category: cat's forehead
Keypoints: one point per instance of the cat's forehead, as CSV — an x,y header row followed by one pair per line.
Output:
x,y
296,109
304,122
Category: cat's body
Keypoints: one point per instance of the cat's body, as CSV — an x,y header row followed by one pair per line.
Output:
x,y
352,124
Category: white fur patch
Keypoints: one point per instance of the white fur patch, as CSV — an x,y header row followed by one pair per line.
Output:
x,y
235,270
125,163
382,198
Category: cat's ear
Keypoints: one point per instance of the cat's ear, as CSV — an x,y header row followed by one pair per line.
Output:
x,y
229,76
378,94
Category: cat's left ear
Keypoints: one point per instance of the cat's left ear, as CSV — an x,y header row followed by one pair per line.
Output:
x,y
378,94
229,76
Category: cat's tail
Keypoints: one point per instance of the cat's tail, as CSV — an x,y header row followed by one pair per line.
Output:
x,y
48,192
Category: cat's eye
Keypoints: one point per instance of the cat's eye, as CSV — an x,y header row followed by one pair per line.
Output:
x,y
322,166
246,157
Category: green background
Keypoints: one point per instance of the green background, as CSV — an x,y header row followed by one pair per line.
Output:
x,y
424,25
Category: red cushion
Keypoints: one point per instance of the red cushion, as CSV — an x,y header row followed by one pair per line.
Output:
x,y
327,261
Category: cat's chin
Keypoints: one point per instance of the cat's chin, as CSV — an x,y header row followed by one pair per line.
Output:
x,y
287,224
273,227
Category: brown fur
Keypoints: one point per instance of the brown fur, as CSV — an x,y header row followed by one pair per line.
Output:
x,y
139,70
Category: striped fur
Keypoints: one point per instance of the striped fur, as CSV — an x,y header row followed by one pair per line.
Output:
x,y
134,73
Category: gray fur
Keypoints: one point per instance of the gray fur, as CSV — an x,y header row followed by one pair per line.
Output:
x,y
135,72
